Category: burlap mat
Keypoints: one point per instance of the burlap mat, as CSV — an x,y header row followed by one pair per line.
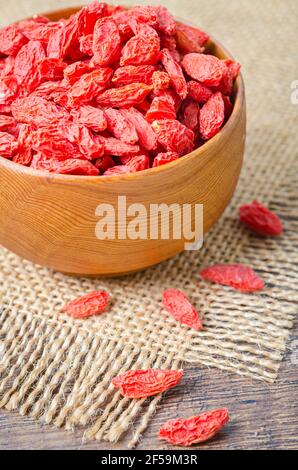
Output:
x,y
60,370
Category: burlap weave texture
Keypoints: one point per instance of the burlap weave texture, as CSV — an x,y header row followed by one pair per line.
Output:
x,y
58,370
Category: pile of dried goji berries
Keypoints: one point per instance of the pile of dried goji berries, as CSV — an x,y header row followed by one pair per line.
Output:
x,y
109,91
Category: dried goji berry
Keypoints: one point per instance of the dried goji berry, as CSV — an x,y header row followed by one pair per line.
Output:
x,y
26,65
174,136
93,12
185,432
64,42
36,111
25,141
212,116
165,21
120,126
50,69
146,383
8,145
39,30
91,117
133,73
163,158
238,276
6,122
106,42
207,69
11,40
198,92
161,80
175,72
190,114
260,219
141,49
146,135
86,44
74,71
178,305
161,108
190,39
118,170
234,67
53,144
89,86
125,96
118,148
88,305
81,136
138,163
70,166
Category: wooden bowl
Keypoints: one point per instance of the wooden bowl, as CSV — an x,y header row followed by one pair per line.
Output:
x,y
50,219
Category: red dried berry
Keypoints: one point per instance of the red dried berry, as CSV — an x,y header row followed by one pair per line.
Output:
x,y
141,50
38,29
212,116
125,96
120,126
178,305
118,148
91,117
260,219
185,432
36,111
175,72
6,122
207,69
73,72
26,64
238,276
118,170
190,39
81,136
70,166
146,383
93,12
88,305
51,142
138,163
190,114
234,67
50,69
165,21
106,42
163,158
11,40
25,141
146,135
161,108
174,136
89,86
8,145
198,92
133,73
86,44
160,81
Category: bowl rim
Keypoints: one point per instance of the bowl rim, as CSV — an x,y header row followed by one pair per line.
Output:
x,y
239,101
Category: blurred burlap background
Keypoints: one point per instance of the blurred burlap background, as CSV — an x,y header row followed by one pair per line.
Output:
x,y
59,370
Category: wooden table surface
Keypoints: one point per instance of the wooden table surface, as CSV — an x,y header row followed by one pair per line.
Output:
x,y
263,416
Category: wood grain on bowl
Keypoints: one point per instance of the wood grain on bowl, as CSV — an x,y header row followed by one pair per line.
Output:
x,y
50,219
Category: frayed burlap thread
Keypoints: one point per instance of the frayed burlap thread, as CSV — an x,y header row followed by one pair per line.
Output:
x,y
59,370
